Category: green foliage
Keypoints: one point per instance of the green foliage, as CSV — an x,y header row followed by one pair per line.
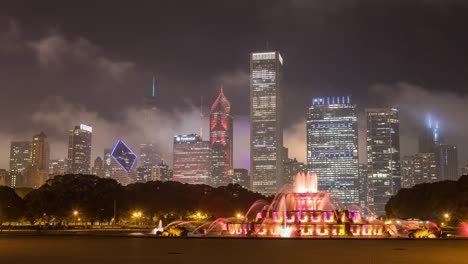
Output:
x,y
91,196
431,201
94,197
11,205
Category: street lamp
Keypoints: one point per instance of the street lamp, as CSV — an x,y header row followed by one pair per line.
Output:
x,y
75,214
137,215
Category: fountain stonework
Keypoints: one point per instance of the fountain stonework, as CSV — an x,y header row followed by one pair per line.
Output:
x,y
300,210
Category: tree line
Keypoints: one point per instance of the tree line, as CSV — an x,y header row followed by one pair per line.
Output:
x,y
445,201
69,197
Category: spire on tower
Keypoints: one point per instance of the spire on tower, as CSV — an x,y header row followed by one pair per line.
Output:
x,y
201,118
154,87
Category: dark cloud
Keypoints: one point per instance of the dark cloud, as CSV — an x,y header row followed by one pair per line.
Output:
x,y
64,63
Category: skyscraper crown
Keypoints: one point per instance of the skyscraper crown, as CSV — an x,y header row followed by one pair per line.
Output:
x,y
221,104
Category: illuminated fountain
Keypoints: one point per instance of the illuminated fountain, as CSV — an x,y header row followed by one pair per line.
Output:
x,y
300,210
297,210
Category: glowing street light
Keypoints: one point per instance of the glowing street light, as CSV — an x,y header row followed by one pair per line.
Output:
x,y
239,216
75,213
446,216
137,214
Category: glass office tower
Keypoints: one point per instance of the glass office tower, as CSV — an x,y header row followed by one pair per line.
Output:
x,y
383,156
266,135
332,146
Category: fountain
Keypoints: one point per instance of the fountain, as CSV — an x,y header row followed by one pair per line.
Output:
x,y
300,210
297,210
159,229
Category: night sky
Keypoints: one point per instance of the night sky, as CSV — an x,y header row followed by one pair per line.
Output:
x,y
68,62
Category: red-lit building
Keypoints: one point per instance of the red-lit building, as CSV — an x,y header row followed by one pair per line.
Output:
x,y
221,140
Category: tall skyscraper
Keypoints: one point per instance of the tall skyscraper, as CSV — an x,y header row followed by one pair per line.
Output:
x,y
149,158
20,160
125,159
38,172
266,134
109,163
166,173
221,140
424,168
332,146
429,136
407,171
447,162
417,169
98,168
383,156
79,149
363,185
192,159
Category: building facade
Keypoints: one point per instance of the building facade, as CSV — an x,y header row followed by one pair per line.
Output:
x,y
332,146
363,185
266,134
407,171
20,160
291,168
123,163
38,172
4,177
221,140
241,177
192,159
58,167
79,149
383,156
149,158
98,168
447,162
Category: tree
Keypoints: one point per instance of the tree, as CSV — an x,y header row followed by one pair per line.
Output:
x,y
431,201
11,205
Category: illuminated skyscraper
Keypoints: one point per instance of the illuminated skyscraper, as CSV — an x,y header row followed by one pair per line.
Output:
x,y
424,167
192,159
125,158
429,136
383,156
38,172
447,162
266,134
332,146
221,140
79,149
20,160
149,158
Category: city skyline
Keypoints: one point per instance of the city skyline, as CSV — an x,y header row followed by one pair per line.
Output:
x,y
318,65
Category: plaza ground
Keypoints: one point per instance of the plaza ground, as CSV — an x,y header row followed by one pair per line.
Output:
x,y
135,247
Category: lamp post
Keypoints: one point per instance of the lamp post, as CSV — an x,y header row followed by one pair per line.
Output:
x,y
137,215
75,215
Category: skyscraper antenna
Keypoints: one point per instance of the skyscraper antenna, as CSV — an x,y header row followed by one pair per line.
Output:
x,y
153,93
201,118
267,45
